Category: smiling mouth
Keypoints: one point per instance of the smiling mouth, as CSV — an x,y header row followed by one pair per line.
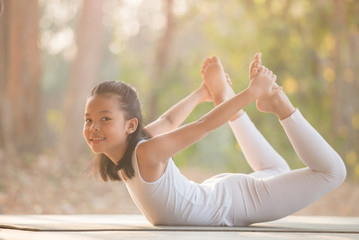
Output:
x,y
97,139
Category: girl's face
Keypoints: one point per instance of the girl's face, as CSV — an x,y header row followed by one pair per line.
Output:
x,y
105,128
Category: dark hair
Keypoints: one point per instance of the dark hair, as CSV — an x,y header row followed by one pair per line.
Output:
x,y
130,104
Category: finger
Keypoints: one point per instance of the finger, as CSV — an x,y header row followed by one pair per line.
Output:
x,y
205,63
259,71
203,68
228,79
259,58
252,65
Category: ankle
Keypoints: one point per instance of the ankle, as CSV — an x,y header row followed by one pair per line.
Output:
x,y
220,98
282,107
285,113
223,96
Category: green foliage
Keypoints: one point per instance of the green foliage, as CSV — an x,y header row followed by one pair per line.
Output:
x,y
308,44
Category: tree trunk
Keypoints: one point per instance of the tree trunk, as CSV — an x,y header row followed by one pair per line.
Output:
x,y
345,96
20,77
83,76
338,25
161,61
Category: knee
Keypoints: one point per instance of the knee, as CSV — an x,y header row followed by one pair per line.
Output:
x,y
341,172
338,173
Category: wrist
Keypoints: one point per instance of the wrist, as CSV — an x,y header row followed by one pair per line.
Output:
x,y
198,96
252,92
219,99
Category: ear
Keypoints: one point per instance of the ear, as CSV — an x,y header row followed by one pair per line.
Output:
x,y
132,125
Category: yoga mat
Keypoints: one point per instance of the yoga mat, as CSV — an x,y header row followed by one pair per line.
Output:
x,y
301,224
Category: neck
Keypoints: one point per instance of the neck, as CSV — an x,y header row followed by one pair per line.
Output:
x,y
116,154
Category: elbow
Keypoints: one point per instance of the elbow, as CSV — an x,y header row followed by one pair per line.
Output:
x,y
202,127
207,124
170,122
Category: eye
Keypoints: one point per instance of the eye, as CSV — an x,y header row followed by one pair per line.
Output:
x,y
87,120
106,119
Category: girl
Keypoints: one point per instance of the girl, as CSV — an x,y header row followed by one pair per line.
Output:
x,y
113,129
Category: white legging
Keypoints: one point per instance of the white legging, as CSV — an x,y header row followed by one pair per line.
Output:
x,y
274,191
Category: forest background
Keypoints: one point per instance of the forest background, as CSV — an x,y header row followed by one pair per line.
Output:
x,y
53,52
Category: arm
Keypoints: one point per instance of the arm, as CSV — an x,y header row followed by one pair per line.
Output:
x,y
153,154
173,117
162,147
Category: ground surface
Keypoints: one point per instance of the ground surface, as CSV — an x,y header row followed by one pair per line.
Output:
x,y
75,227
56,192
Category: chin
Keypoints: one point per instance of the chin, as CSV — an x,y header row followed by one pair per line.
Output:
x,y
96,151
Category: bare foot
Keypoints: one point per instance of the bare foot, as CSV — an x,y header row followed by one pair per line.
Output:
x,y
217,81
279,104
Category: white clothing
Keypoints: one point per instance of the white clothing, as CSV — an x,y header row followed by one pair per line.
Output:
x,y
271,192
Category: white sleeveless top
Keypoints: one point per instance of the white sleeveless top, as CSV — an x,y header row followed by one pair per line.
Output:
x,y
174,200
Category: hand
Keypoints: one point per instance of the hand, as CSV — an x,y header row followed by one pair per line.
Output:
x,y
206,96
263,84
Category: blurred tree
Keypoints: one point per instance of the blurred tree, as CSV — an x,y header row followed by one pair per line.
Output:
x,y
20,77
1,7
83,76
160,67
343,77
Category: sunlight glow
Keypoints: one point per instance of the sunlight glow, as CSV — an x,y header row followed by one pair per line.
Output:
x,y
351,158
180,7
290,85
57,42
355,121
298,9
259,2
329,74
61,12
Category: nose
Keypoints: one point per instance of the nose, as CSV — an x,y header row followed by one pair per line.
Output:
x,y
95,127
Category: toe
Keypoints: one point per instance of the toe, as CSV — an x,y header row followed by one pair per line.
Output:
x,y
256,57
215,59
274,77
255,71
252,64
205,64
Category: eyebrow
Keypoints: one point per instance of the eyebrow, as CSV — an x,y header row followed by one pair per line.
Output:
x,y
104,111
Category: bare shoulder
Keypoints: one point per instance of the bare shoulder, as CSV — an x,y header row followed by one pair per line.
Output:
x,y
149,168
